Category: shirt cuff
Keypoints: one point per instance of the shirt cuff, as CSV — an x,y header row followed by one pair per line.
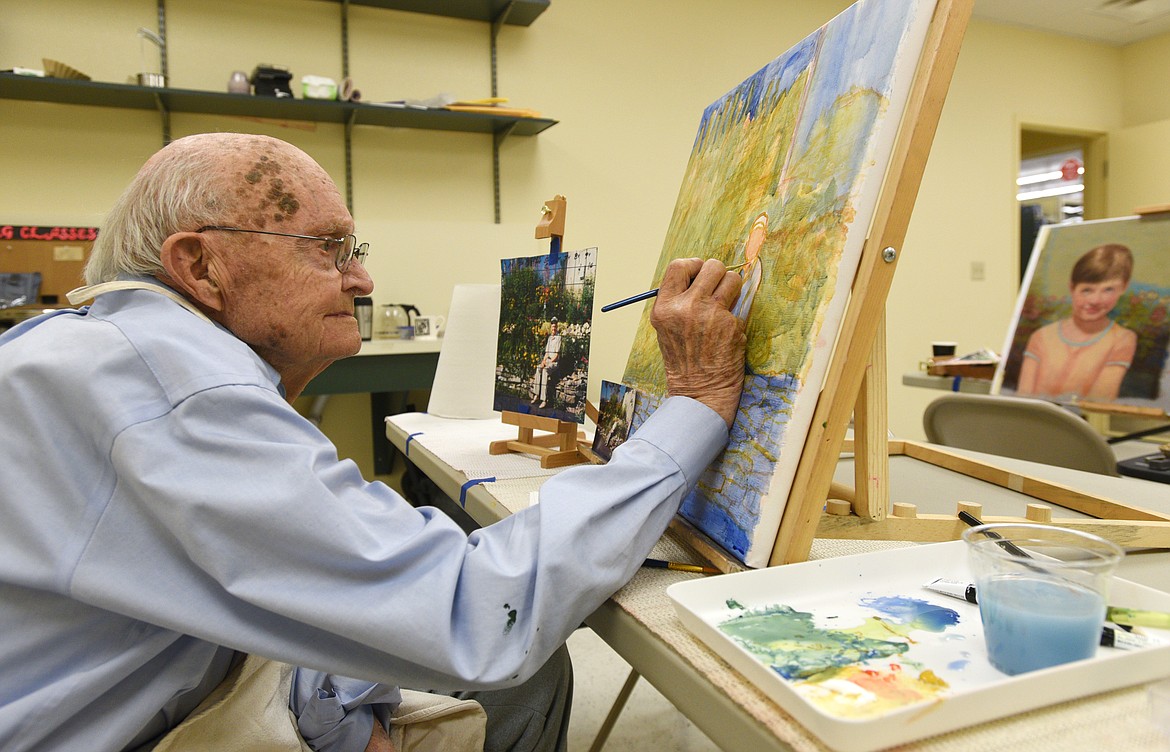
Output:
x,y
687,430
337,714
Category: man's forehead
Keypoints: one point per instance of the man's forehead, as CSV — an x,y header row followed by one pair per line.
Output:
x,y
276,188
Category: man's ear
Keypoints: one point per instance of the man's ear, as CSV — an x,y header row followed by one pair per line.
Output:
x,y
184,256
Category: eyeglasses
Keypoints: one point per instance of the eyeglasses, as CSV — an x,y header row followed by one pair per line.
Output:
x,y
345,249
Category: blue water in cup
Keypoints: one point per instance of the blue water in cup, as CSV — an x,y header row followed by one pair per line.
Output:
x,y
1032,623
1042,592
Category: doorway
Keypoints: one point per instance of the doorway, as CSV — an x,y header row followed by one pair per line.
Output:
x,y
1061,178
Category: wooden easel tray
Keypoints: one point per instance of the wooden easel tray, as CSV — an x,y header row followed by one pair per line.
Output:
x,y
942,682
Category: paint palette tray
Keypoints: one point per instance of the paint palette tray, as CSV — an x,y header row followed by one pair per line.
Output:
x,y
857,651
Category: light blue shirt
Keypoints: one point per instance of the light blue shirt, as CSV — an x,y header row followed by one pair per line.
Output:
x,y
162,505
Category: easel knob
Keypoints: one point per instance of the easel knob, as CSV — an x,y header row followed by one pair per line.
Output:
x,y
552,223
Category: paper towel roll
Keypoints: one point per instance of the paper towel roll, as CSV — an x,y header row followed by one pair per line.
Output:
x,y
346,92
465,378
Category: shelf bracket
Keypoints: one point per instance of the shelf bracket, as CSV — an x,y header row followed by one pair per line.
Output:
x,y
349,123
345,39
497,24
165,114
499,136
163,68
498,139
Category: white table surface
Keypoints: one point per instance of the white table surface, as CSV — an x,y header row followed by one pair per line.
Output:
x,y
637,621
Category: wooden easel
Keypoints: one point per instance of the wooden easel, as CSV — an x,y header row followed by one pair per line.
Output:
x,y
561,446
861,512
855,383
855,376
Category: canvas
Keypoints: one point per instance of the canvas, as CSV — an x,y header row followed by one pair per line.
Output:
x,y
1091,322
615,415
546,316
783,177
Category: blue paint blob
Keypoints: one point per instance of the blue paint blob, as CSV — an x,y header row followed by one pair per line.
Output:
x,y
912,611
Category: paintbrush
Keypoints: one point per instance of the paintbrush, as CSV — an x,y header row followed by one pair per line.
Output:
x,y
650,294
678,567
1008,546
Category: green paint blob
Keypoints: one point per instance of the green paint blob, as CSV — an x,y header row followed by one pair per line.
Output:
x,y
789,642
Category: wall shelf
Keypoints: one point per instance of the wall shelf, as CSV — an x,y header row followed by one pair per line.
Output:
x,y
521,12
126,96
497,13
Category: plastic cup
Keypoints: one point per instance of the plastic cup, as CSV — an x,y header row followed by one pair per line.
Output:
x,y
1042,592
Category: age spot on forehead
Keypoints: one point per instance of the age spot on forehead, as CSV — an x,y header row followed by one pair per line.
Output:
x,y
275,201
262,167
285,201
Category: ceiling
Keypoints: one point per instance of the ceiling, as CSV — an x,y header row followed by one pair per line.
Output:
x,y
1115,22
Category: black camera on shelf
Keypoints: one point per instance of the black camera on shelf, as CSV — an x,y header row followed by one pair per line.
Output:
x,y
271,81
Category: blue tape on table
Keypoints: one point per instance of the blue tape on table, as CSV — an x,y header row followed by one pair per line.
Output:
x,y
410,438
469,484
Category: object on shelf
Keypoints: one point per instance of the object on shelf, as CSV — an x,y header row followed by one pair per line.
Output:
x,y
445,101
271,81
348,92
490,106
238,83
25,72
56,69
493,110
147,77
318,87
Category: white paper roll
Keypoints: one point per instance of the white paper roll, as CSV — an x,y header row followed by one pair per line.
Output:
x,y
465,378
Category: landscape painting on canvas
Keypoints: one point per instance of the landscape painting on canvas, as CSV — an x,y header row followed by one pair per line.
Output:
x,y
1091,323
615,415
783,177
546,316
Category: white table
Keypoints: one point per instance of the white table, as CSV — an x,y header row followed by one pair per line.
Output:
x,y
382,368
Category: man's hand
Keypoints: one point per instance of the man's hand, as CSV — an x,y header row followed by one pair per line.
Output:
x,y
702,343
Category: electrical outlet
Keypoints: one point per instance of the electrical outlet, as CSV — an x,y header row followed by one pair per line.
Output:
x,y
977,271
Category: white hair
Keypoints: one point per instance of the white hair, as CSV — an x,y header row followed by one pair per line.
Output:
x,y
179,189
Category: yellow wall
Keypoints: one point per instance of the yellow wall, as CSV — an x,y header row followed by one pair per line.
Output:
x,y
1146,78
627,81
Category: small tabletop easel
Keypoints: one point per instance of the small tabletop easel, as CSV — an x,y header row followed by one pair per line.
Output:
x,y
561,446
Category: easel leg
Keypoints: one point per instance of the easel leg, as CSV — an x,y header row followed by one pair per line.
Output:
x,y
871,454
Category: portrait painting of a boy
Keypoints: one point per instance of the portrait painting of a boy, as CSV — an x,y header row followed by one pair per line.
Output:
x,y
1091,322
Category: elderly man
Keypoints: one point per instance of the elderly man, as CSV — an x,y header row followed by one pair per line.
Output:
x,y
164,509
